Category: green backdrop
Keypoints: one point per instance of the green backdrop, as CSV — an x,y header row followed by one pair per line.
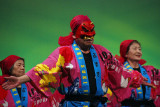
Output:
x,y
31,28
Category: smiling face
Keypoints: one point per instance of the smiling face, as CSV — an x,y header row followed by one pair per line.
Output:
x,y
18,68
134,53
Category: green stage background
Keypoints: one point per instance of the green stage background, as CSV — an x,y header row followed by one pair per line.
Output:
x,y
30,28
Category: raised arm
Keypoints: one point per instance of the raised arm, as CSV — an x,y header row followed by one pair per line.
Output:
x,y
48,74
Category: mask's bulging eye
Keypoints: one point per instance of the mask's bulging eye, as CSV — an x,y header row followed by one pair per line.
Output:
x,y
84,29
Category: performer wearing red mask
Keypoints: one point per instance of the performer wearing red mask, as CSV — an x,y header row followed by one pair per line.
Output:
x,y
80,70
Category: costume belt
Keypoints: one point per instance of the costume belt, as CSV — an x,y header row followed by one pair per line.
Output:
x,y
90,98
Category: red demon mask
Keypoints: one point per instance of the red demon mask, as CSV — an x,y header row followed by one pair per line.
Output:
x,y
86,29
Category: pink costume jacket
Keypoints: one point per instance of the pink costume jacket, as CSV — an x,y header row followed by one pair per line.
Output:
x,y
154,75
35,99
61,68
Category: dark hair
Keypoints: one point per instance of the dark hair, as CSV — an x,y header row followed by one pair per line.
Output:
x,y
134,41
11,69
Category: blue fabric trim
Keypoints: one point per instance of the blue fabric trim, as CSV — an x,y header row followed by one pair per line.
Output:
x,y
24,96
139,90
97,69
148,89
83,70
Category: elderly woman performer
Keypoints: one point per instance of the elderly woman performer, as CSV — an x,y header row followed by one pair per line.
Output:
x,y
130,56
24,95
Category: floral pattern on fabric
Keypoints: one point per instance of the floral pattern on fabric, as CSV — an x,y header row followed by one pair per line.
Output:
x,y
49,75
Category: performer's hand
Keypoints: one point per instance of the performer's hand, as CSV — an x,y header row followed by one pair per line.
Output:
x,y
148,84
138,79
12,82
